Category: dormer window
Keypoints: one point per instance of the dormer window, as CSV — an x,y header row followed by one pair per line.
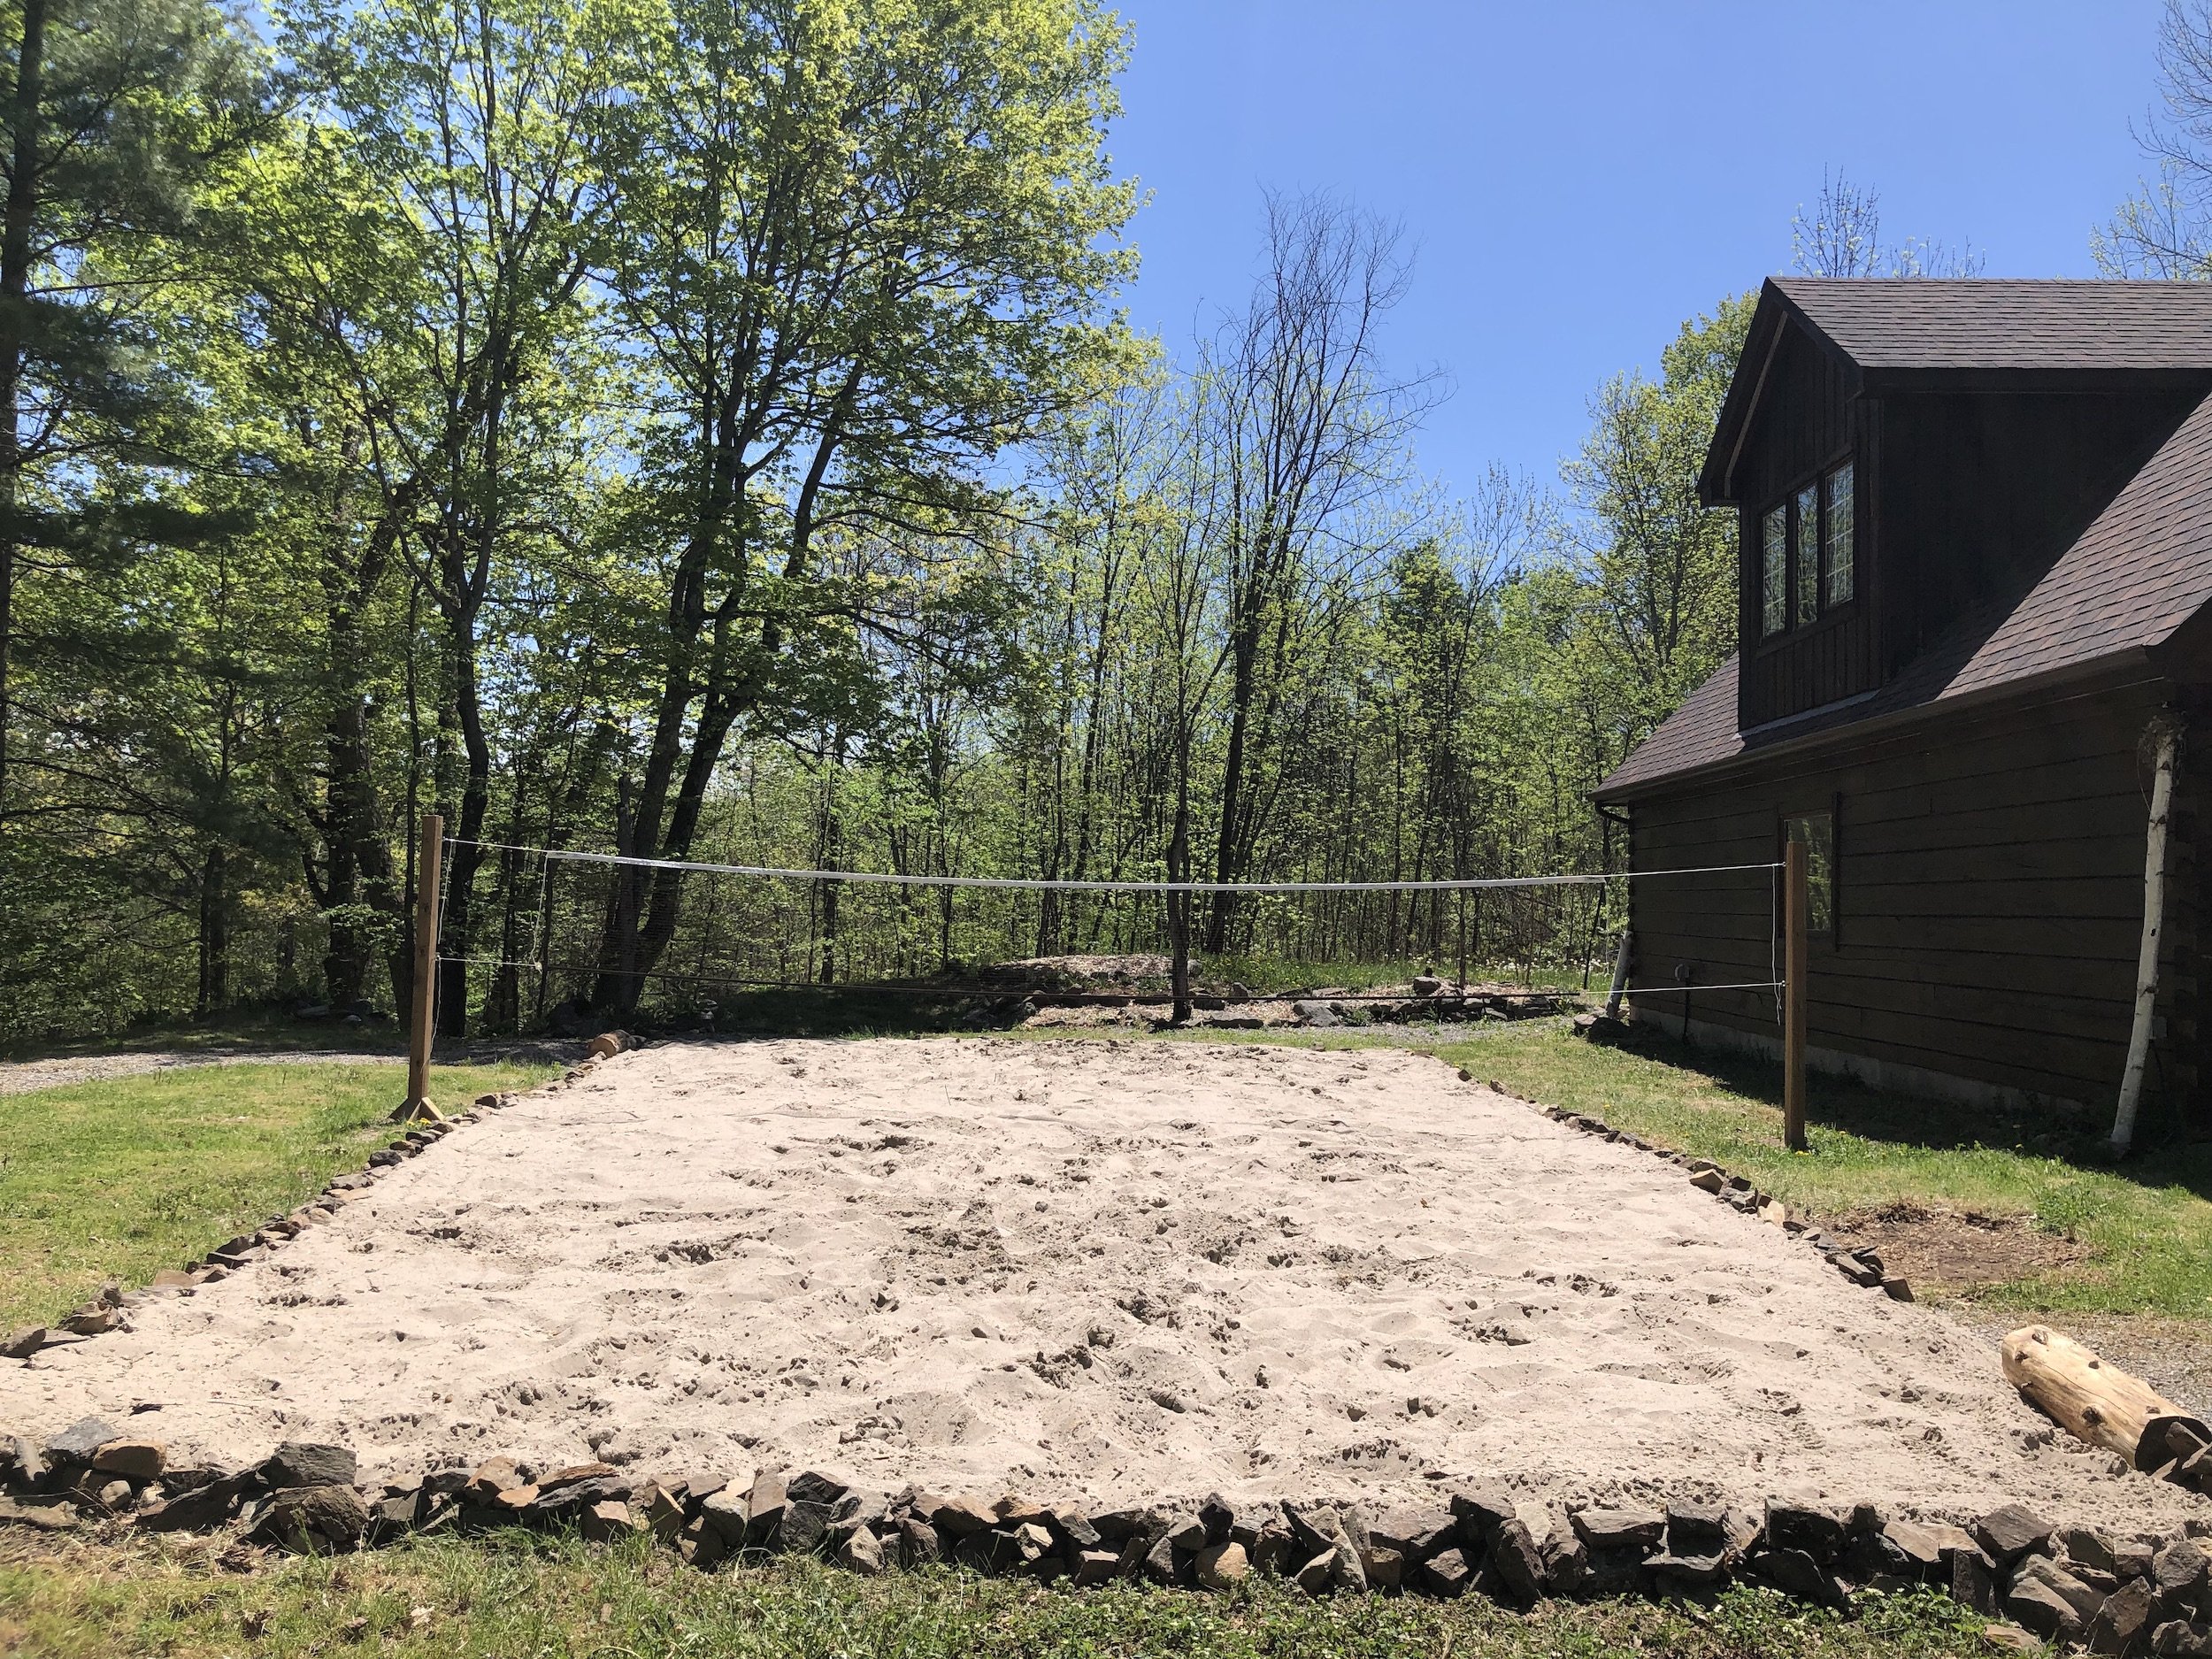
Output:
x,y
1837,539
1807,566
1774,568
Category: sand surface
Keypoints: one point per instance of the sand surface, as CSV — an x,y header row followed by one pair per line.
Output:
x,y
1108,1270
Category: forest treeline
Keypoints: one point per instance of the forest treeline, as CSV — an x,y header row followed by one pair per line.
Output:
x,y
706,430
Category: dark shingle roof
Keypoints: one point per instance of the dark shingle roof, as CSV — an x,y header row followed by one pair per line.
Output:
x,y
2007,323
1984,333
2142,569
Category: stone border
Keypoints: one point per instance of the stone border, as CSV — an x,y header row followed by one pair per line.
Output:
x,y
2061,1583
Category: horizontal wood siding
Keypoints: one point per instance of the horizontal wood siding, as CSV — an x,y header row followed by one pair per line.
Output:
x,y
1989,898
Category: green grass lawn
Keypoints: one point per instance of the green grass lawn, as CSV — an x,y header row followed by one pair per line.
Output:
x,y
503,1597
126,1176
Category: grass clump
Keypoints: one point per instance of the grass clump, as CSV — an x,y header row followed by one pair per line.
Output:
x,y
123,1177
516,1594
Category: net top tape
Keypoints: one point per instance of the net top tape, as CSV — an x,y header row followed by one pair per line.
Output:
x,y
1038,884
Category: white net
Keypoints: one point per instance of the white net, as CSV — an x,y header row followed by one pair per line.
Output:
x,y
693,945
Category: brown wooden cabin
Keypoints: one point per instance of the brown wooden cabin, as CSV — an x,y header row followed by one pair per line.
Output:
x,y
1976,561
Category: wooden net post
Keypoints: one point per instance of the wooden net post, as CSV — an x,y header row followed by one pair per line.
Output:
x,y
428,856
1796,904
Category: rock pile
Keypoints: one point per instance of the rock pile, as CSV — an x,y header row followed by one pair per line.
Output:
x,y
1443,1003
2064,1584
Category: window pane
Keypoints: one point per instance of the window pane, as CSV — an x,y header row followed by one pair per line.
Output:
x,y
1808,517
1774,572
1839,505
1817,832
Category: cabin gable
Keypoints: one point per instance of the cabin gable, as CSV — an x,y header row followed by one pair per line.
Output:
x,y
1876,508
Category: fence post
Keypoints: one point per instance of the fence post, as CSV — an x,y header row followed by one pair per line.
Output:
x,y
428,856
1796,959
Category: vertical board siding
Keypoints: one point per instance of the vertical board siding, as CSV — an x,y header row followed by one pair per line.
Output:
x,y
1990,884
1807,422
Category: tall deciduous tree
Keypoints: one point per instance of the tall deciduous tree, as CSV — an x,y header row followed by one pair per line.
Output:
x,y
864,245
1306,434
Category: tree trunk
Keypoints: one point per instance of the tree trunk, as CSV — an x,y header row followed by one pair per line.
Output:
x,y
15,283
214,936
458,920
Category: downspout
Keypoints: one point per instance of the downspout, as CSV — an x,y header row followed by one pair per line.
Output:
x,y
2163,735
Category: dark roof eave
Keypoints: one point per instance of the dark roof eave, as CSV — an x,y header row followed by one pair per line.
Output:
x,y
1937,378
2108,667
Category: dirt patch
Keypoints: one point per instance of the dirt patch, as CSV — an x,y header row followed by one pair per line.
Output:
x,y
1947,1253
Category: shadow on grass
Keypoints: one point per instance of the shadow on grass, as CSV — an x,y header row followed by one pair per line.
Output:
x,y
2165,1155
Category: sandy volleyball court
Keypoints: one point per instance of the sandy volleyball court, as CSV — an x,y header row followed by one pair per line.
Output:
x,y
1107,1270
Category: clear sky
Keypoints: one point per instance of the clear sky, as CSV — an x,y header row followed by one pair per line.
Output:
x,y
1581,175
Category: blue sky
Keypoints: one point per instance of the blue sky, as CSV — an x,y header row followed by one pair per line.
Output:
x,y
1581,176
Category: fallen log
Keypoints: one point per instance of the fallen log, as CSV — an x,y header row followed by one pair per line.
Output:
x,y
2099,1403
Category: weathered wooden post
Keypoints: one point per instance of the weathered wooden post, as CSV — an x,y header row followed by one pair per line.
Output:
x,y
1796,902
428,856
1621,959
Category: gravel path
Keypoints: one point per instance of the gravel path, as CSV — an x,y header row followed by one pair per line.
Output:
x,y
20,1076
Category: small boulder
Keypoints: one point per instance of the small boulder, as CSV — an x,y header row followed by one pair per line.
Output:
x,y
1796,1572
1096,1566
1218,1516
1926,1549
310,1463
919,1544
2124,1618
1974,1582
2180,1574
862,1552
1220,1565
2010,1532
1819,1533
767,1501
134,1460
606,1521
2050,1601
76,1444
1480,1509
311,1520
1620,1529
1445,1574
961,1516
1518,1561
726,1512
